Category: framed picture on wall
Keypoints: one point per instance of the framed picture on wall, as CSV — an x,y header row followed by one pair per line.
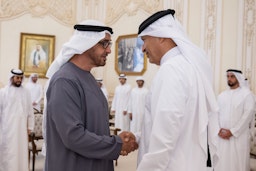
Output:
x,y
36,53
129,58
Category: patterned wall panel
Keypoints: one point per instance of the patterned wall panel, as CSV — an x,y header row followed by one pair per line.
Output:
x,y
92,9
115,9
211,33
64,11
247,52
181,10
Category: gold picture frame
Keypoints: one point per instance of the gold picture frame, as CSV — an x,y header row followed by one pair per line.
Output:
x,y
36,53
129,58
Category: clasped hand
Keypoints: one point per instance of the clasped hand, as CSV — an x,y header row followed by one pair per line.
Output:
x,y
129,142
225,133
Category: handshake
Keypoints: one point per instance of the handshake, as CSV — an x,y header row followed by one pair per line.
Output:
x,y
129,143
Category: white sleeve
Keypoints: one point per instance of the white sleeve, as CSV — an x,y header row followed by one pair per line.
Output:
x,y
244,122
113,105
1,100
169,102
30,112
40,95
129,108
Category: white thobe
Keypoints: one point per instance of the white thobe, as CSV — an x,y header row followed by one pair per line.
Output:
x,y
16,118
119,105
252,124
137,108
237,108
36,92
44,146
171,139
105,92
38,55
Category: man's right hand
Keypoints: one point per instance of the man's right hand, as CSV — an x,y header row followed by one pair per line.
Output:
x,y
129,142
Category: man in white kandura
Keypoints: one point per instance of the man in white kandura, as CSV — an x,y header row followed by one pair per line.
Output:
x,y
37,55
120,104
180,121
102,87
36,91
237,107
136,106
16,122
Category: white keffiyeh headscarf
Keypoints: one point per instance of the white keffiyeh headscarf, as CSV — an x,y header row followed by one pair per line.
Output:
x,y
78,43
239,76
15,72
32,76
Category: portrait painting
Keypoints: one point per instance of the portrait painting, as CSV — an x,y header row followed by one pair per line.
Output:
x,y
36,53
130,59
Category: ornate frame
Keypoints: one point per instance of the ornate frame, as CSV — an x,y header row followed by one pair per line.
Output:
x,y
36,61
129,58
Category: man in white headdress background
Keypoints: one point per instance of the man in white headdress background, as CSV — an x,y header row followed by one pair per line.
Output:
x,y
16,122
136,107
36,91
252,124
102,87
77,118
237,107
37,55
119,104
181,108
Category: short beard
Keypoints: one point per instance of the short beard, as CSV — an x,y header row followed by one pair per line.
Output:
x,y
16,84
230,84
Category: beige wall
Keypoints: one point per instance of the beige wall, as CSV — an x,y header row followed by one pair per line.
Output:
x,y
221,28
10,39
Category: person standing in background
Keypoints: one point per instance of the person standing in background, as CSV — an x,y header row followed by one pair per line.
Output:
x,y
36,91
136,106
102,87
237,110
252,124
181,108
120,104
16,123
